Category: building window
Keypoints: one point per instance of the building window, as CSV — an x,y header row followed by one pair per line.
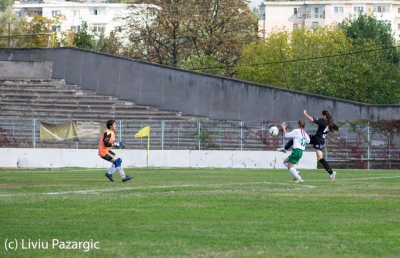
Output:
x,y
98,11
97,27
338,9
76,13
398,26
37,12
315,24
398,10
316,13
358,9
297,12
296,26
381,9
54,13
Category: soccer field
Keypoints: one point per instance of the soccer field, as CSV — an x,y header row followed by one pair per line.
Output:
x,y
199,213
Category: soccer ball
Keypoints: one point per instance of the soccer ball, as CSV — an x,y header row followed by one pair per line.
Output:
x,y
273,130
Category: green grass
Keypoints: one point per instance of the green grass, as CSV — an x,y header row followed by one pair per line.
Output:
x,y
201,213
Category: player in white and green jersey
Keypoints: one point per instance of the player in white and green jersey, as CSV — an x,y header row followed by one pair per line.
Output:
x,y
300,140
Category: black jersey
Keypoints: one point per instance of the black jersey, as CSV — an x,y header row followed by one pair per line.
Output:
x,y
323,129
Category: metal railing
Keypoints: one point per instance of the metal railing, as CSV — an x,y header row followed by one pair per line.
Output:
x,y
28,39
366,148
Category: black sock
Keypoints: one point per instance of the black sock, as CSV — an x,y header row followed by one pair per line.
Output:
x,y
326,166
289,144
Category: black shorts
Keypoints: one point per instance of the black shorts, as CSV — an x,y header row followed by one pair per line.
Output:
x,y
317,143
109,156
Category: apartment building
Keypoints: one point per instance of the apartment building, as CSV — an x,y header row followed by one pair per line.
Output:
x,y
99,15
296,14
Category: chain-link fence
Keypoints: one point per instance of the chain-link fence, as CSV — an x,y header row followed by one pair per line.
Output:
x,y
359,146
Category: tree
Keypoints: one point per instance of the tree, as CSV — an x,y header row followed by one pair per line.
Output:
x,y
318,59
36,33
41,31
364,26
83,38
294,60
323,61
4,4
264,61
380,58
205,64
110,45
171,32
9,17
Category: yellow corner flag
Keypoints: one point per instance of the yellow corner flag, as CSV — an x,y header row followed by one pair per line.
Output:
x,y
143,132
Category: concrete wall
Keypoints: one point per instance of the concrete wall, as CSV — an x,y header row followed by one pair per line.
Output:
x,y
58,158
26,69
191,93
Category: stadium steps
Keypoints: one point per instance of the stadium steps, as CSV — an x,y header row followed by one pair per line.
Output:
x,y
53,98
53,101
86,113
77,104
31,81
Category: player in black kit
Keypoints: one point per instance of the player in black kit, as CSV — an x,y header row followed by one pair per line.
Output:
x,y
325,124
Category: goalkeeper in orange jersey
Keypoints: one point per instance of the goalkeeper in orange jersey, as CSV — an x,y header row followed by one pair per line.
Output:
x,y
105,145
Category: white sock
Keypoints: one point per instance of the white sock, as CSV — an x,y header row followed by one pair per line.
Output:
x,y
121,172
111,170
286,165
294,173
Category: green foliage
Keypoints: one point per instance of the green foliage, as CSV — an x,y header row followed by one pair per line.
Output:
x,y
364,26
42,28
206,64
274,52
379,61
324,61
36,33
110,45
4,4
7,16
83,38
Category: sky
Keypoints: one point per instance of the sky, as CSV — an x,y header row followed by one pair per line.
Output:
x,y
255,3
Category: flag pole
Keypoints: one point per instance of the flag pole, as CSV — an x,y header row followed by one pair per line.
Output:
x,y
145,131
148,149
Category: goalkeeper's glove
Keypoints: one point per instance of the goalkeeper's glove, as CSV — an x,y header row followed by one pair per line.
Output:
x,y
118,144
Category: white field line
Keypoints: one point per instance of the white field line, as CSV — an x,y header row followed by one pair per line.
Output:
x,y
55,170
96,191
